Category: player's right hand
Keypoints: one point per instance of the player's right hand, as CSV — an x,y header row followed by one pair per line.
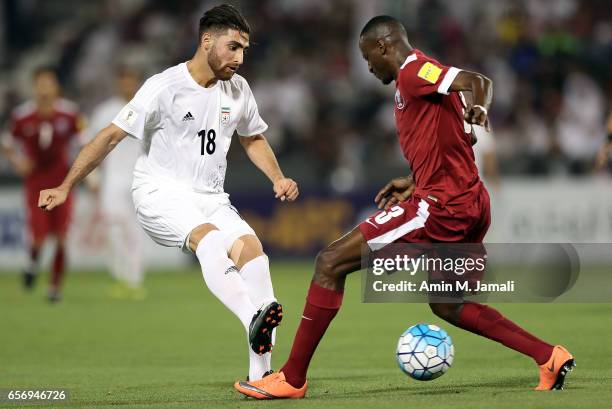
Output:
x,y
51,198
396,191
23,168
286,189
476,115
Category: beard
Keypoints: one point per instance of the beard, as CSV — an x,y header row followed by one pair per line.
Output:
x,y
217,66
386,80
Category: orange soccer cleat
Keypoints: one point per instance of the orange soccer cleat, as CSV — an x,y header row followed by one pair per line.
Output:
x,y
273,386
552,373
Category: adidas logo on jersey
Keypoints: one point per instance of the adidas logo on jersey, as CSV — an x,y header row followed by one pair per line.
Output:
x,y
188,117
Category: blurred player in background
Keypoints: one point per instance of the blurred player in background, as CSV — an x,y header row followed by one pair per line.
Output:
x,y
486,157
443,201
38,148
603,156
112,185
186,117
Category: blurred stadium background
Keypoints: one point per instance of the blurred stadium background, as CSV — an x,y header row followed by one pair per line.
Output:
x,y
331,122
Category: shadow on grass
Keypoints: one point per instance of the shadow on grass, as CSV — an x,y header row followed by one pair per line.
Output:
x,y
523,383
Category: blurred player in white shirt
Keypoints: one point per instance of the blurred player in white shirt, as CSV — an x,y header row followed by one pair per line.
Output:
x,y
113,184
486,157
602,162
186,117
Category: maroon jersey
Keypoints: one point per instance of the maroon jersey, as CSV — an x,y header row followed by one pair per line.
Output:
x,y
431,131
46,141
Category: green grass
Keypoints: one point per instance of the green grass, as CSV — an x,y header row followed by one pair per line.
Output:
x,y
181,348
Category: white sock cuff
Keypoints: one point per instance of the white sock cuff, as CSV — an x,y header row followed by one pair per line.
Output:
x,y
211,240
259,259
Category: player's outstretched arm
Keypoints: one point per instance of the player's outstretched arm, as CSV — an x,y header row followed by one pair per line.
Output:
x,y
88,158
261,154
482,93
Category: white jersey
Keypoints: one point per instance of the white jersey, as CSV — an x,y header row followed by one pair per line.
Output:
x,y
187,129
485,144
118,166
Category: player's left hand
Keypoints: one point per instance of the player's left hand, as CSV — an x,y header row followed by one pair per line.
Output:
x,y
398,190
286,189
476,115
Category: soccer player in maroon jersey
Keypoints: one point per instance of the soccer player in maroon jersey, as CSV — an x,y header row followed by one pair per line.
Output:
x,y
443,201
44,128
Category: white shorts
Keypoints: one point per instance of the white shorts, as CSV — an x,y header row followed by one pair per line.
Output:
x,y
168,214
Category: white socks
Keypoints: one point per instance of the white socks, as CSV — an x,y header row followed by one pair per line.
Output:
x,y
125,248
243,294
222,278
256,275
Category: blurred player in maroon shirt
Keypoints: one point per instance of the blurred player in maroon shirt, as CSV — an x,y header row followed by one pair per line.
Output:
x,y
41,133
443,201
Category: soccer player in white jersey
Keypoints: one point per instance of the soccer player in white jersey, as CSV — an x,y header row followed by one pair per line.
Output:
x,y
114,197
185,117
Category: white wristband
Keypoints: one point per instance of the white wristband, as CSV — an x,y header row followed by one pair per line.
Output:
x,y
482,108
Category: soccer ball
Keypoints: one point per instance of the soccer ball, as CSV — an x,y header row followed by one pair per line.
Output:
x,y
425,352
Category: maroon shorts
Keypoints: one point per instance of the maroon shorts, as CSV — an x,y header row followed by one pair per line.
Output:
x,y
428,225
419,220
42,223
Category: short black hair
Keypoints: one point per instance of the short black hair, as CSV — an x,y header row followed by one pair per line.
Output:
x,y
45,69
377,22
223,17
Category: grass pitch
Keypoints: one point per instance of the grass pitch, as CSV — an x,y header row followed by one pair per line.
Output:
x,y
180,348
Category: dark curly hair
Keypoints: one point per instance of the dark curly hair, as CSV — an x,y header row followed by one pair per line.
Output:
x,y
223,17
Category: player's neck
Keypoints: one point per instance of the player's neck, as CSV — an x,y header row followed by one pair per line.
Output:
x,y
402,52
45,108
200,71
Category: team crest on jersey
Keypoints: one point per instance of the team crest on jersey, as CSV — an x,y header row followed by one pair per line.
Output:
x,y
62,125
399,101
225,116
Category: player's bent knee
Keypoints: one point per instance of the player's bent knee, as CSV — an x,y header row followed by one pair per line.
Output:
x,y
326,264
198,234
245,249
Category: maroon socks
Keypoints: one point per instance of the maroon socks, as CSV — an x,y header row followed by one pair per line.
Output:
x,y
321,307
489,323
